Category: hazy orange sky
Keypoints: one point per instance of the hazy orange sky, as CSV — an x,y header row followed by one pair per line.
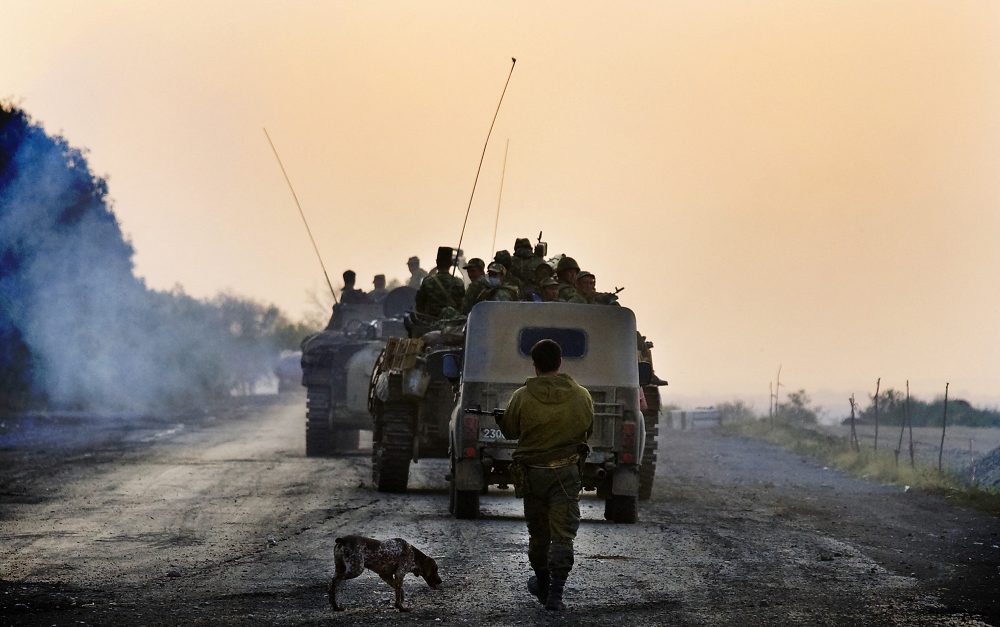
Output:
x,y
805,183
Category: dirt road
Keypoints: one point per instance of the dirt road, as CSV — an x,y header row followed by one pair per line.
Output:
x,y
220,519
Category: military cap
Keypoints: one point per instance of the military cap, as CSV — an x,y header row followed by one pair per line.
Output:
x,y
522,242
413,261
567,263
497,267
584,274
475,262
379,277
444,252
549,282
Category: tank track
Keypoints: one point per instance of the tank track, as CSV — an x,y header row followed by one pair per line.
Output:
x,y
651,417
319,435
392,446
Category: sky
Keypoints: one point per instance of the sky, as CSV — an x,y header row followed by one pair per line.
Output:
x,y
810,185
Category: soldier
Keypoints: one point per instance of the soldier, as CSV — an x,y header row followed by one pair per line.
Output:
x,y
350,295
440,290
476,269
540,271
498,289
586,286
417,273
551,417
521,263
550,290
379,292
503,258
567,270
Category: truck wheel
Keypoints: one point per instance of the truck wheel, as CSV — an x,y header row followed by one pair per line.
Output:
x,y
466,504
392,447
621,509
319,440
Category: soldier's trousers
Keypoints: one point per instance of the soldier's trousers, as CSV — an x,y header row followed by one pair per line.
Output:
x,y
552,511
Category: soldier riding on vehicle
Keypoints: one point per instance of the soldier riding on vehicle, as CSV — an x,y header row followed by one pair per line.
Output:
x,y
498,289
440,290
567,270
476,270
417,273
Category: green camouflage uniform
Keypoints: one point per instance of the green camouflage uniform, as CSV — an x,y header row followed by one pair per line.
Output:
x,y
503,293
551,417
568,293
472,293
438,291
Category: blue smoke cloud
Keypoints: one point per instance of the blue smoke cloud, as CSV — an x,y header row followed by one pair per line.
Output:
x,y
77,327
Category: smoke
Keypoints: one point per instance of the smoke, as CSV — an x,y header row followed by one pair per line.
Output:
x,y
78,329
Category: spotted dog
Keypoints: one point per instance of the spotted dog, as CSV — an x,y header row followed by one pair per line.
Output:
x,y
389,559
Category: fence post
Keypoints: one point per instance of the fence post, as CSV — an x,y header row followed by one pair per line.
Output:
x,y
909,421
877,385
855,445
944,425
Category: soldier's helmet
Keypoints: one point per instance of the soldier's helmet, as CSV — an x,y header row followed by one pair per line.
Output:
x,y
503,257
567,263
584,274
349,276
551,281
522,247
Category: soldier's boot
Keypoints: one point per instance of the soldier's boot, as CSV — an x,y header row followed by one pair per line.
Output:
x,y
554,600
538,585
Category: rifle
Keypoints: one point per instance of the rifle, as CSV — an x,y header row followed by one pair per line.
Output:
x,y
496,412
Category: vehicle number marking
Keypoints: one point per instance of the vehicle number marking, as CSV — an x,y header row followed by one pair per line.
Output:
x,y
490,434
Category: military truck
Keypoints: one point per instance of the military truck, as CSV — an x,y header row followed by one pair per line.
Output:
x,y
336,370
419,395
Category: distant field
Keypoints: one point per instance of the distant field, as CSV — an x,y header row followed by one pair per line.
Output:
x,y
926,441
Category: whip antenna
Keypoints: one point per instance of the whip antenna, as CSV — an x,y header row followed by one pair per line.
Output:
x,y
461,237
301,213
503,175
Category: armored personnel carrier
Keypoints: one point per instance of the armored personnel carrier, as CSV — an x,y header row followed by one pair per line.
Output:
x,y
420,395
336,370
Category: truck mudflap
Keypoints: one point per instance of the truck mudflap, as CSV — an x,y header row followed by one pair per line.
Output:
x,y
468,474
625,481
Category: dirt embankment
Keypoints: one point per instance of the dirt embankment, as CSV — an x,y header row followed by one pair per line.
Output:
x,y
220,519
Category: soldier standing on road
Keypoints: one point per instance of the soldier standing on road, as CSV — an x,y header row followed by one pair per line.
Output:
x,y
417,273
476,269
440,289
552,417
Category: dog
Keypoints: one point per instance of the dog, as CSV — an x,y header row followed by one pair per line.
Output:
x,y
389,559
